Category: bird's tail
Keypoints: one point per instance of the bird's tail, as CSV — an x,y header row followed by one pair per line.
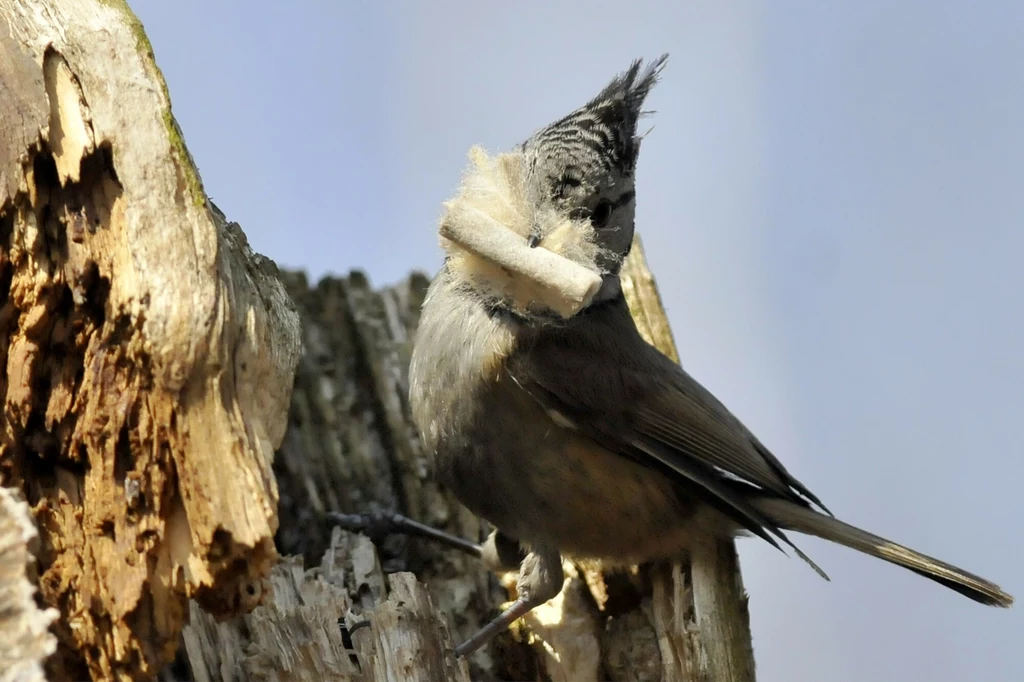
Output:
x,y
805,520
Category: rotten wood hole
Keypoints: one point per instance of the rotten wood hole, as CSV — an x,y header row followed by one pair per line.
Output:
x,y
146,360
349,446
91,428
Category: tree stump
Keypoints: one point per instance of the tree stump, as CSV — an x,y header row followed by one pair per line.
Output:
x,y
351,446
150,367
147,353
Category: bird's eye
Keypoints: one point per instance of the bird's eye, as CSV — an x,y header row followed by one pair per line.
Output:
x,y
563,185
601,213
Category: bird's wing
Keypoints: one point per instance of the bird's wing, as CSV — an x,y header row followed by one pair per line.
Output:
x,y
684,414
640,404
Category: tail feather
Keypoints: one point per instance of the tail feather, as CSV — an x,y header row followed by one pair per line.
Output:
x,y
805,520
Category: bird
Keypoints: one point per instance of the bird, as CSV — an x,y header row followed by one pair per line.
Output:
x,y
572,435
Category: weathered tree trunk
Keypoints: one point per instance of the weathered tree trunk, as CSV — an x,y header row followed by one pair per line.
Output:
x,y
26,640
700,606
147,359
146,353
351,446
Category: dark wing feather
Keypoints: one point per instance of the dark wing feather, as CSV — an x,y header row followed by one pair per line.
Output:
x,y
683,412
647,450
636,402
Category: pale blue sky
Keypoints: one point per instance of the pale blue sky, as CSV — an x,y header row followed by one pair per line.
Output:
x,y
831,201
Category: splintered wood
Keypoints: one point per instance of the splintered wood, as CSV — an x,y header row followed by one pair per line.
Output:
x,y
397,636
147,364
351,446
699,605
26,640
146,353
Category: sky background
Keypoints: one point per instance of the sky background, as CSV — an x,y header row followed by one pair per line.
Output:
x,y
830,200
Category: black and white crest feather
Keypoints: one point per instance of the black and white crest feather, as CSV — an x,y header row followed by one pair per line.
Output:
x,y
602,133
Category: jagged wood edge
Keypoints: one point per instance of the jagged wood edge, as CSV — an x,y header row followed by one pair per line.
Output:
x,y
699,605
152,350
344,450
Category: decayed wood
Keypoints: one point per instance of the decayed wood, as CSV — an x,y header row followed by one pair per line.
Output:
x,y
25,640
411,639
699,605
146,353
351,446
296,635
146,359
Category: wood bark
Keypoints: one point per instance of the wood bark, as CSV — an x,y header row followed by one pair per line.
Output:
x,y
700,605
351,446
147,365
24,627
146,353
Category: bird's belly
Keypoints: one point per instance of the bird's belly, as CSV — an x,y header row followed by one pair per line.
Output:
x,y
587,501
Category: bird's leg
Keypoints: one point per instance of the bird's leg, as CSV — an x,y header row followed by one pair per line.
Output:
x,y
378,524
540,579
498,551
